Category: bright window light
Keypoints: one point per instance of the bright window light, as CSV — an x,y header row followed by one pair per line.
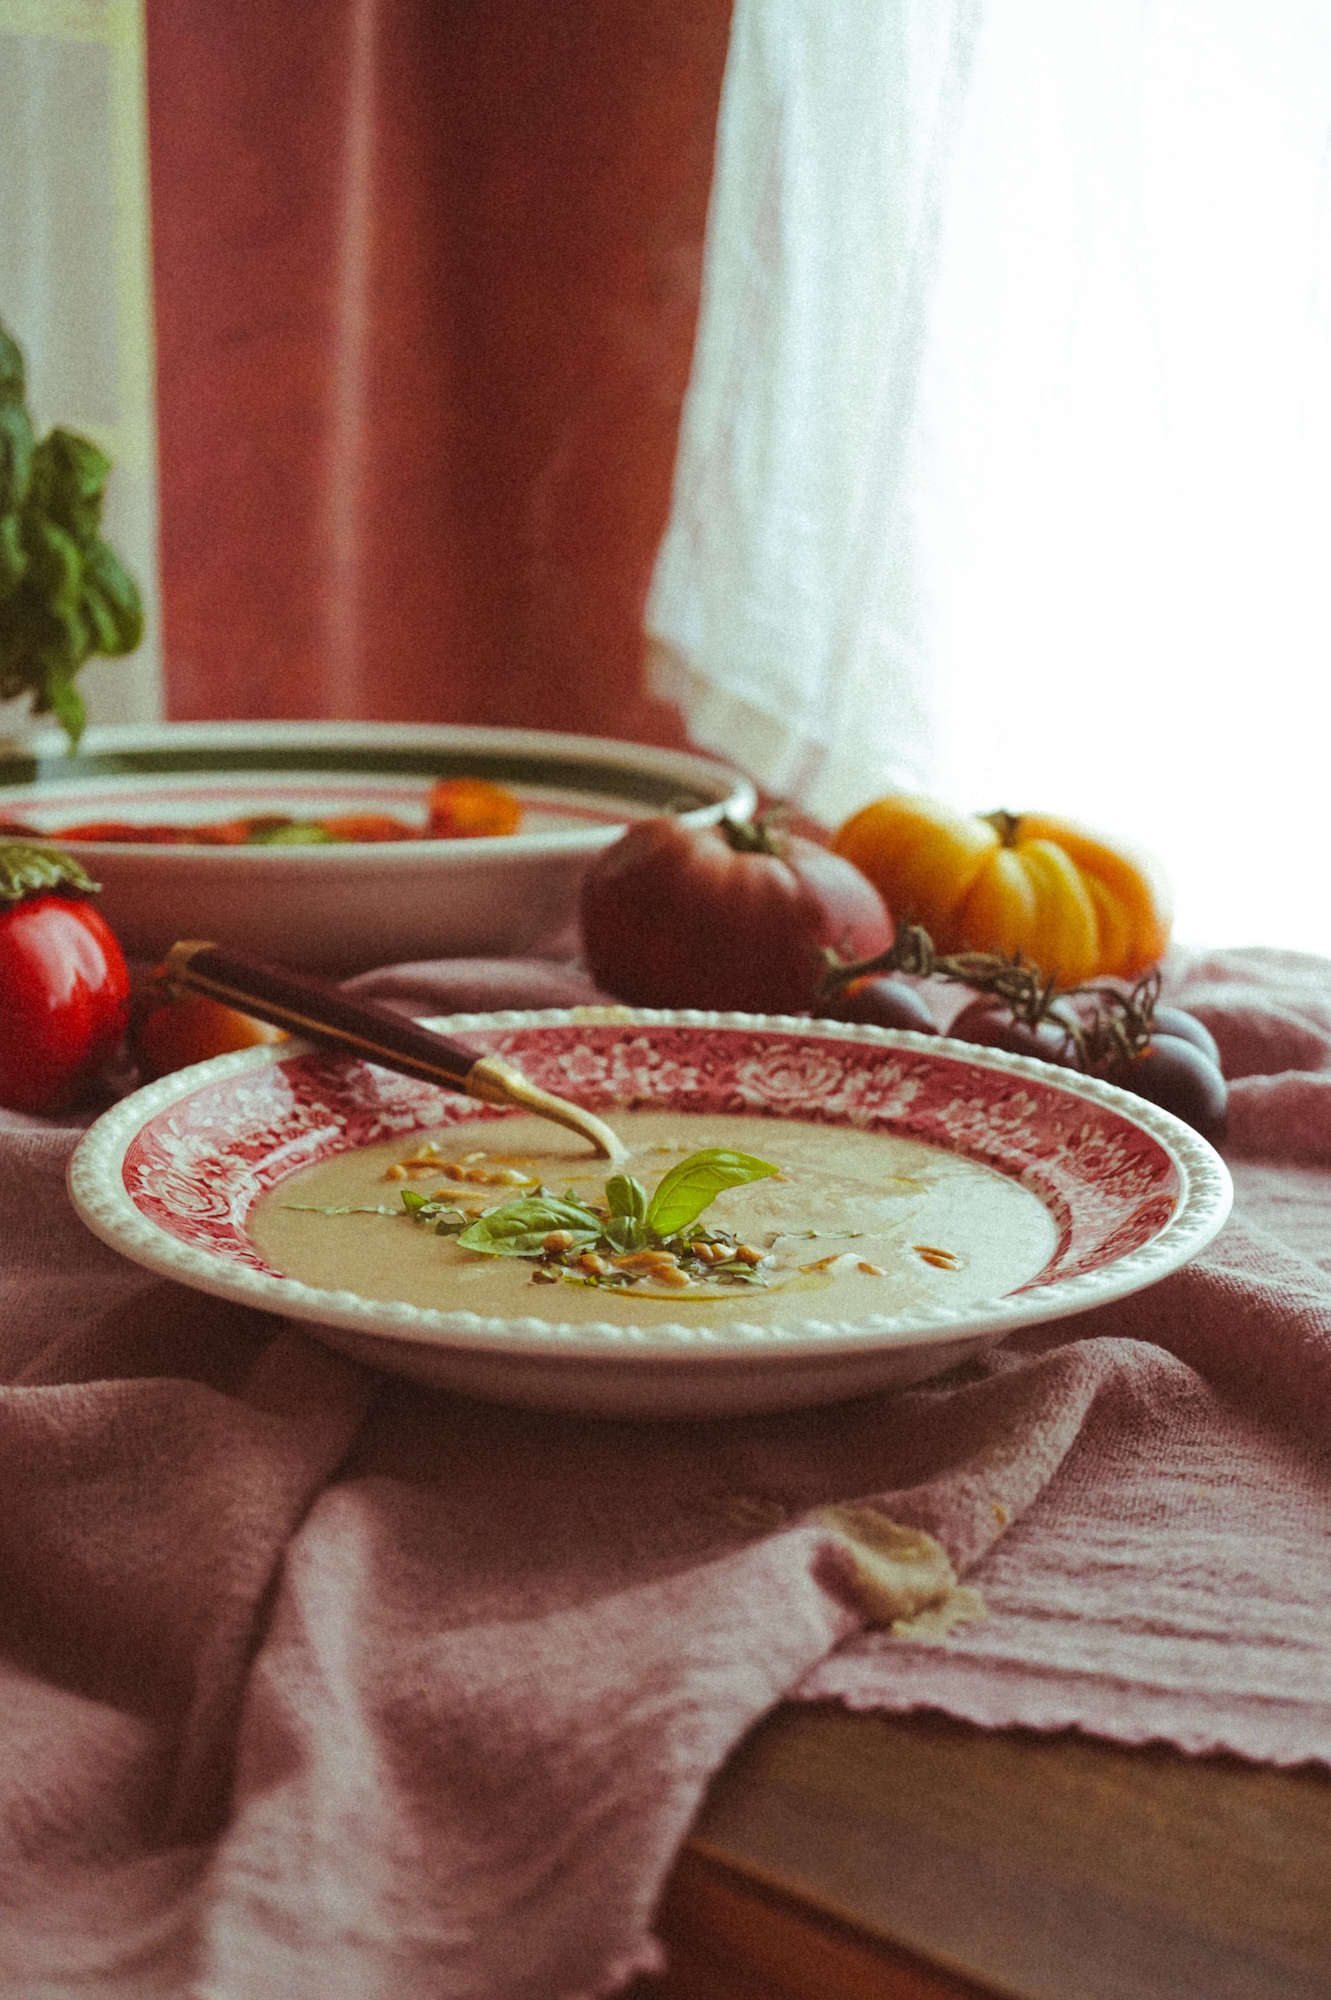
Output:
x,y
1127,523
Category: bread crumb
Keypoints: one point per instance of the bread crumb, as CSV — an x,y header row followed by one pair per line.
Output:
x,y
901,1578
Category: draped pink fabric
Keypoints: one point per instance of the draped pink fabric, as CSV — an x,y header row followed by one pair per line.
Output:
x,y
426,283
317,1684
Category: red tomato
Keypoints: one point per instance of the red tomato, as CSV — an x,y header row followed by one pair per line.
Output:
x,y
171,1030
721,916
142,833
366,826
64,985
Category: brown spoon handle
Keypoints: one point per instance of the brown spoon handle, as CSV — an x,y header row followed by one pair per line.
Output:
x,y
312,1008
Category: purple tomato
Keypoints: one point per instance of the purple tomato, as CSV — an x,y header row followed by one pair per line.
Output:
x,y
879,1001
990,1023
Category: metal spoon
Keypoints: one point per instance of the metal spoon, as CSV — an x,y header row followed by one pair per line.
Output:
x,y
312,1008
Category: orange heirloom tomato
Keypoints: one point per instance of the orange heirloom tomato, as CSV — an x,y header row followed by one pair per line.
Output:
x,y
1077,904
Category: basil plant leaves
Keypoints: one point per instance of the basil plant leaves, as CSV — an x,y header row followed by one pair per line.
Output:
x,y
64,593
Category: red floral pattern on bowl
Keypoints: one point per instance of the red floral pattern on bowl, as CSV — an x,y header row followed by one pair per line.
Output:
x,y
196,1169
170,1177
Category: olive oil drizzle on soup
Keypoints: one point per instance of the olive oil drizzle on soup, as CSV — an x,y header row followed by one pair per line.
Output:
x,y
855,1224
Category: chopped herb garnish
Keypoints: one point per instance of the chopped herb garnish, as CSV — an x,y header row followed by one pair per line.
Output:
x,y
442,1216
318,1208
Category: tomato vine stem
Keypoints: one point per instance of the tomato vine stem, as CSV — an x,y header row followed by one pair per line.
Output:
x,y
752,836
1105,1024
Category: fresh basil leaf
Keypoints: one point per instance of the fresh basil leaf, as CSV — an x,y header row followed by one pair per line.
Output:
x,y
13,557
69,475
682,1194
519,1228
16,448
622,1233
626,1200
627,1197
12,372
62,699
104,572
55,562
99,617
16,437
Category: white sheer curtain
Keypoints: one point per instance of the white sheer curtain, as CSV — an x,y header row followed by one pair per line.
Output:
x,y
1068,544
785,606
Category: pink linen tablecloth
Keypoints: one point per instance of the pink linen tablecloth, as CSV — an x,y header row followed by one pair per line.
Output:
x,y
320,1685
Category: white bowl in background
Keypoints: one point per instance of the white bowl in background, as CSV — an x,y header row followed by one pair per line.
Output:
x,y
348,906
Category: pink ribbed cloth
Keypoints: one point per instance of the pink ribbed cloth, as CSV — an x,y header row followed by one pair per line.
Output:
x,y
318,1685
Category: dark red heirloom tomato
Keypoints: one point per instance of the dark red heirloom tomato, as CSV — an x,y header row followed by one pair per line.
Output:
x,y
64,985
731,915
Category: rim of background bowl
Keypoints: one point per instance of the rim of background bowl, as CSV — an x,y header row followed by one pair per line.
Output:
x,y
44,760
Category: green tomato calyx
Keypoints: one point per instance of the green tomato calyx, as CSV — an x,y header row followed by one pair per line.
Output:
x,y
27,871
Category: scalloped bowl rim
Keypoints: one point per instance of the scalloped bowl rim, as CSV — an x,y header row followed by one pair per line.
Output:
x,y
97,1191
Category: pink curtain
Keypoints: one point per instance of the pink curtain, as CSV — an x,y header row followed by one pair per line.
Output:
x,y
426,285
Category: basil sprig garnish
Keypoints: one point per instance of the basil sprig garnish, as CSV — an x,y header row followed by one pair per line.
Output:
x,y
629,1220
